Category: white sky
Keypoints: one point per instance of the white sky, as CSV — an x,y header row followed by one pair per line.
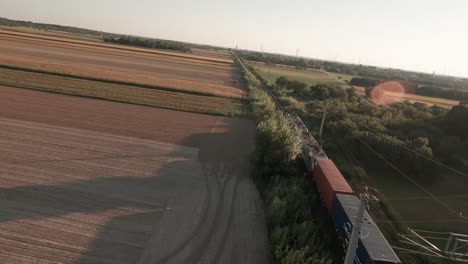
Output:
x,y
422,35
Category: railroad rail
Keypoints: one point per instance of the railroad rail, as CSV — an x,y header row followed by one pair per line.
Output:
x,y
262,81
265,86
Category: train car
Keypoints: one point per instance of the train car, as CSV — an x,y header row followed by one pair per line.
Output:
x,y
340,200
310,151
329,181
372,245
310,148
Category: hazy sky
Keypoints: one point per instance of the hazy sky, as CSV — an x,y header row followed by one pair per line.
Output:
x,y
423,35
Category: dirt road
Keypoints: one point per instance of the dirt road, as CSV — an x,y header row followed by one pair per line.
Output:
x,y
88,181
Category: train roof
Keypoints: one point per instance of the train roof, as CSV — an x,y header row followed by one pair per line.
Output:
x,y
307,137
312,144
337,182
371,236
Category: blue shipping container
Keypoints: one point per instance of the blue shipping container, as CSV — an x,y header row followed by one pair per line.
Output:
x,y
372,245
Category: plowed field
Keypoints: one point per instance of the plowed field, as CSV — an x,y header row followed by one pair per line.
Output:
x,y
89,181
121,63
158,97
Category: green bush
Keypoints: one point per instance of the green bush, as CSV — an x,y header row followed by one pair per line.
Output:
x,y
291,105
296,236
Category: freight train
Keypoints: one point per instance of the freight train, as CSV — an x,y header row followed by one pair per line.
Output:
x,y
338,196
341,202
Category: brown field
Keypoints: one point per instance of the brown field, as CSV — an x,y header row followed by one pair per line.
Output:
x,y
212,53
413,98
122,64
52,33
90,181
75,36
108,45
123,93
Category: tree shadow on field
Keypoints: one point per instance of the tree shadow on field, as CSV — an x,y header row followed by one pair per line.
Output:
x,y
185,211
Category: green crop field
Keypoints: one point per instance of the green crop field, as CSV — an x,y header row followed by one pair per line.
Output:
x,y
309,76
340,76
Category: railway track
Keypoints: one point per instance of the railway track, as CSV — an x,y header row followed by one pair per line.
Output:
x,y
267,89
262,81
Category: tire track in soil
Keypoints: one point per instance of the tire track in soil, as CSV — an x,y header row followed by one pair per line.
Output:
x,y
224,236
208,172
197,229
201,249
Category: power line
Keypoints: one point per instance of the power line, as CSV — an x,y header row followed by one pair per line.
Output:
x,y
459,214
354,160
431,232
425,197
423,221
348,151
385,216
435,161
453,211
420,154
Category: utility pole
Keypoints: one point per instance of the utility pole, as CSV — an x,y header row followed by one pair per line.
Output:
x,y
355,234
322,125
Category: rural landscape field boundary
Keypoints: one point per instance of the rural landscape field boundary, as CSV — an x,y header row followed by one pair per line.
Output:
x,y
171,83
113,46
111,81
126,94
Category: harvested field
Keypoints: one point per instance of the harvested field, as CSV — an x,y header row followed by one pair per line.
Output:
x,y
89,181
413,98
213,53
118,50
183,73
114,46
52,33
75,36
123,93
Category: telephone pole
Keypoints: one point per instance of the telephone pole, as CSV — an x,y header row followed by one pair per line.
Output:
x,y
322,124
356,233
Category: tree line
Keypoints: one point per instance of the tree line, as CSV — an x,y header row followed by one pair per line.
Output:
x,y
364,82
442,93
430,131
43,26
359,70
147,43
142,42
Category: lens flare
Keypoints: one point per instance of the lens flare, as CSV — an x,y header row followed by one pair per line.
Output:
x,y
390,92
